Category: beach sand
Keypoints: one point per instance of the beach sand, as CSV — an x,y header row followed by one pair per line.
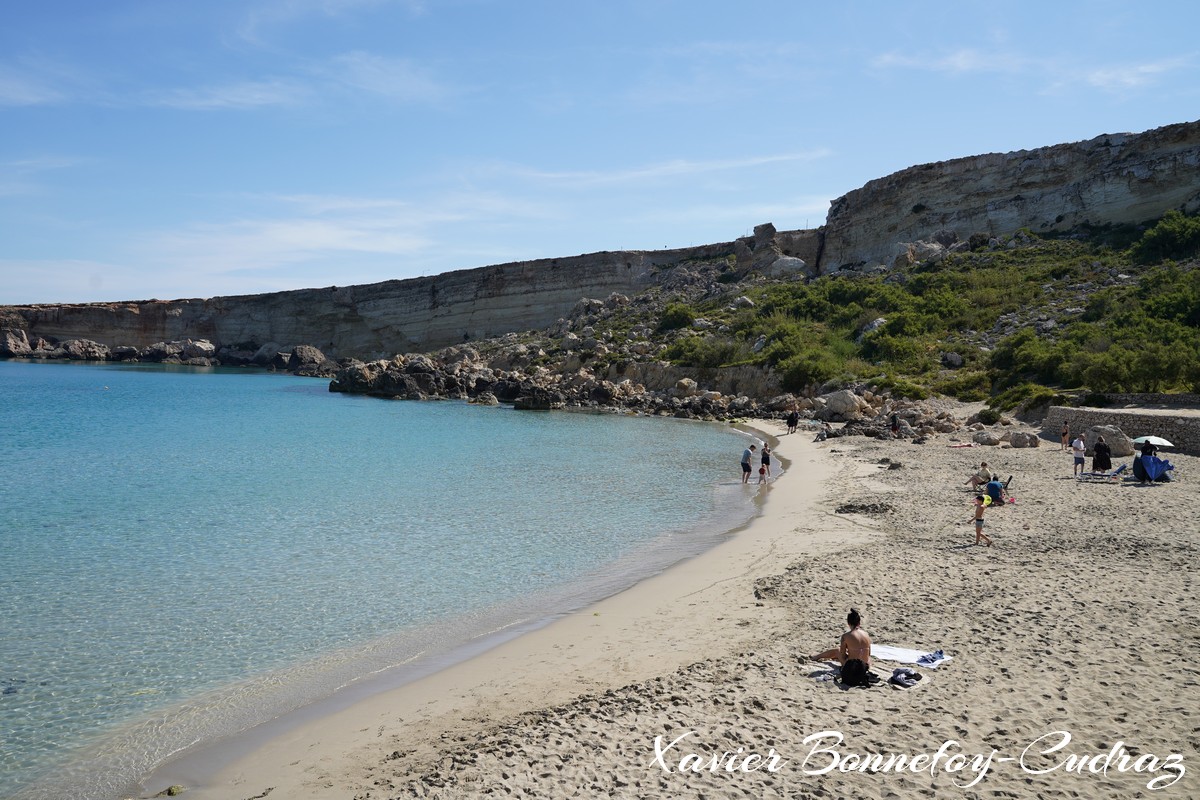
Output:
x,y
1081,619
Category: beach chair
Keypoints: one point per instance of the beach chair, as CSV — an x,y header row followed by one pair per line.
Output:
x,y
1103,476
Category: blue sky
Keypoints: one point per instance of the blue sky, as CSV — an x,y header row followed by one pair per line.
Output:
x,y
194,148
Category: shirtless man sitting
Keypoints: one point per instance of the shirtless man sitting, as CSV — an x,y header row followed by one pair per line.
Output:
x,y
855,644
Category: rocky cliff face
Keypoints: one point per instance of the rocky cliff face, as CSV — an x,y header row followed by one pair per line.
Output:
x,y
1112,179
367,321
1119,178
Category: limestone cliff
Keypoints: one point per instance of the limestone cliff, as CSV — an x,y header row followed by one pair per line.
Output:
x,y
371,320
1111,179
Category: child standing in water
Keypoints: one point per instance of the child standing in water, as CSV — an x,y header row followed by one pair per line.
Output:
x,y
980,536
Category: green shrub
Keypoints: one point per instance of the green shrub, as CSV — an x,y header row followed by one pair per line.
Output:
x,y
1027,394
707,351
1174,237
810,367
989,416
676,315
968,386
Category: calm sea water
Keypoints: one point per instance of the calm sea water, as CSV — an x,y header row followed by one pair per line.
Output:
x,y
187,552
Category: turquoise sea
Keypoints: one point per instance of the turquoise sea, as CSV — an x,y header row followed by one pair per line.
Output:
x,y
187,552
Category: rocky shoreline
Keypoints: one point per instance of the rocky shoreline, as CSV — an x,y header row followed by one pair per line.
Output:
x,y
516,373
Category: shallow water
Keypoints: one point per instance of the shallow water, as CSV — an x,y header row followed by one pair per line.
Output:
x,y
185,552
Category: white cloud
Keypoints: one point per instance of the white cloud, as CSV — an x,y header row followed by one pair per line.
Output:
x,y
1063,73
24,90
15,174
666,169
312,229
1132,76
960,61
273,13
249,94
790,215
394,78
271,243
28,281
33,80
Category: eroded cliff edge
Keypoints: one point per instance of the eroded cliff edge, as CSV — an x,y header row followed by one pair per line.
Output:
x,y
1111,179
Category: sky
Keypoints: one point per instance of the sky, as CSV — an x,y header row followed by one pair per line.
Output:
x,y
197,148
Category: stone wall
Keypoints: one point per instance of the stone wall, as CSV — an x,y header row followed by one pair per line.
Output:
x,y
1168,400
1183,430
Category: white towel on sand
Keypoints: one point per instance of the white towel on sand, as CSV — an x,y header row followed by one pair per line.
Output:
x,y
905,656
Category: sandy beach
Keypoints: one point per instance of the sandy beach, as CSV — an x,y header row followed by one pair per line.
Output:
x,y
1079,624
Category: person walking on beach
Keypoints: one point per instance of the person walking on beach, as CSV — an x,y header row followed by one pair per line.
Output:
x,y
1079,451
895,426
747,456
980,536
766,460
793,419
1066,437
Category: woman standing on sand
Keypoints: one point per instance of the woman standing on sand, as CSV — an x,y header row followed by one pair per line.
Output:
x,y
1066,436
766,459
1101,456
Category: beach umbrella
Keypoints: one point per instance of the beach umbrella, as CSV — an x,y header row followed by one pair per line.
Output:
x,y
1157,441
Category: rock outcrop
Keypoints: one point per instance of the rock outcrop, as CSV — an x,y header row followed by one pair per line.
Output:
x,y
1111,179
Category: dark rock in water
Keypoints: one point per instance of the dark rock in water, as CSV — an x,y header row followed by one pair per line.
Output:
x,y
326,369
426,382
237,355
304,355
602,393
85,350
123,353
538,399
14,342
162,351
396,384
507,390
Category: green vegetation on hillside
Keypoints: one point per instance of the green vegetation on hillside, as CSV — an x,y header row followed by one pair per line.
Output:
x,y
1028,319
